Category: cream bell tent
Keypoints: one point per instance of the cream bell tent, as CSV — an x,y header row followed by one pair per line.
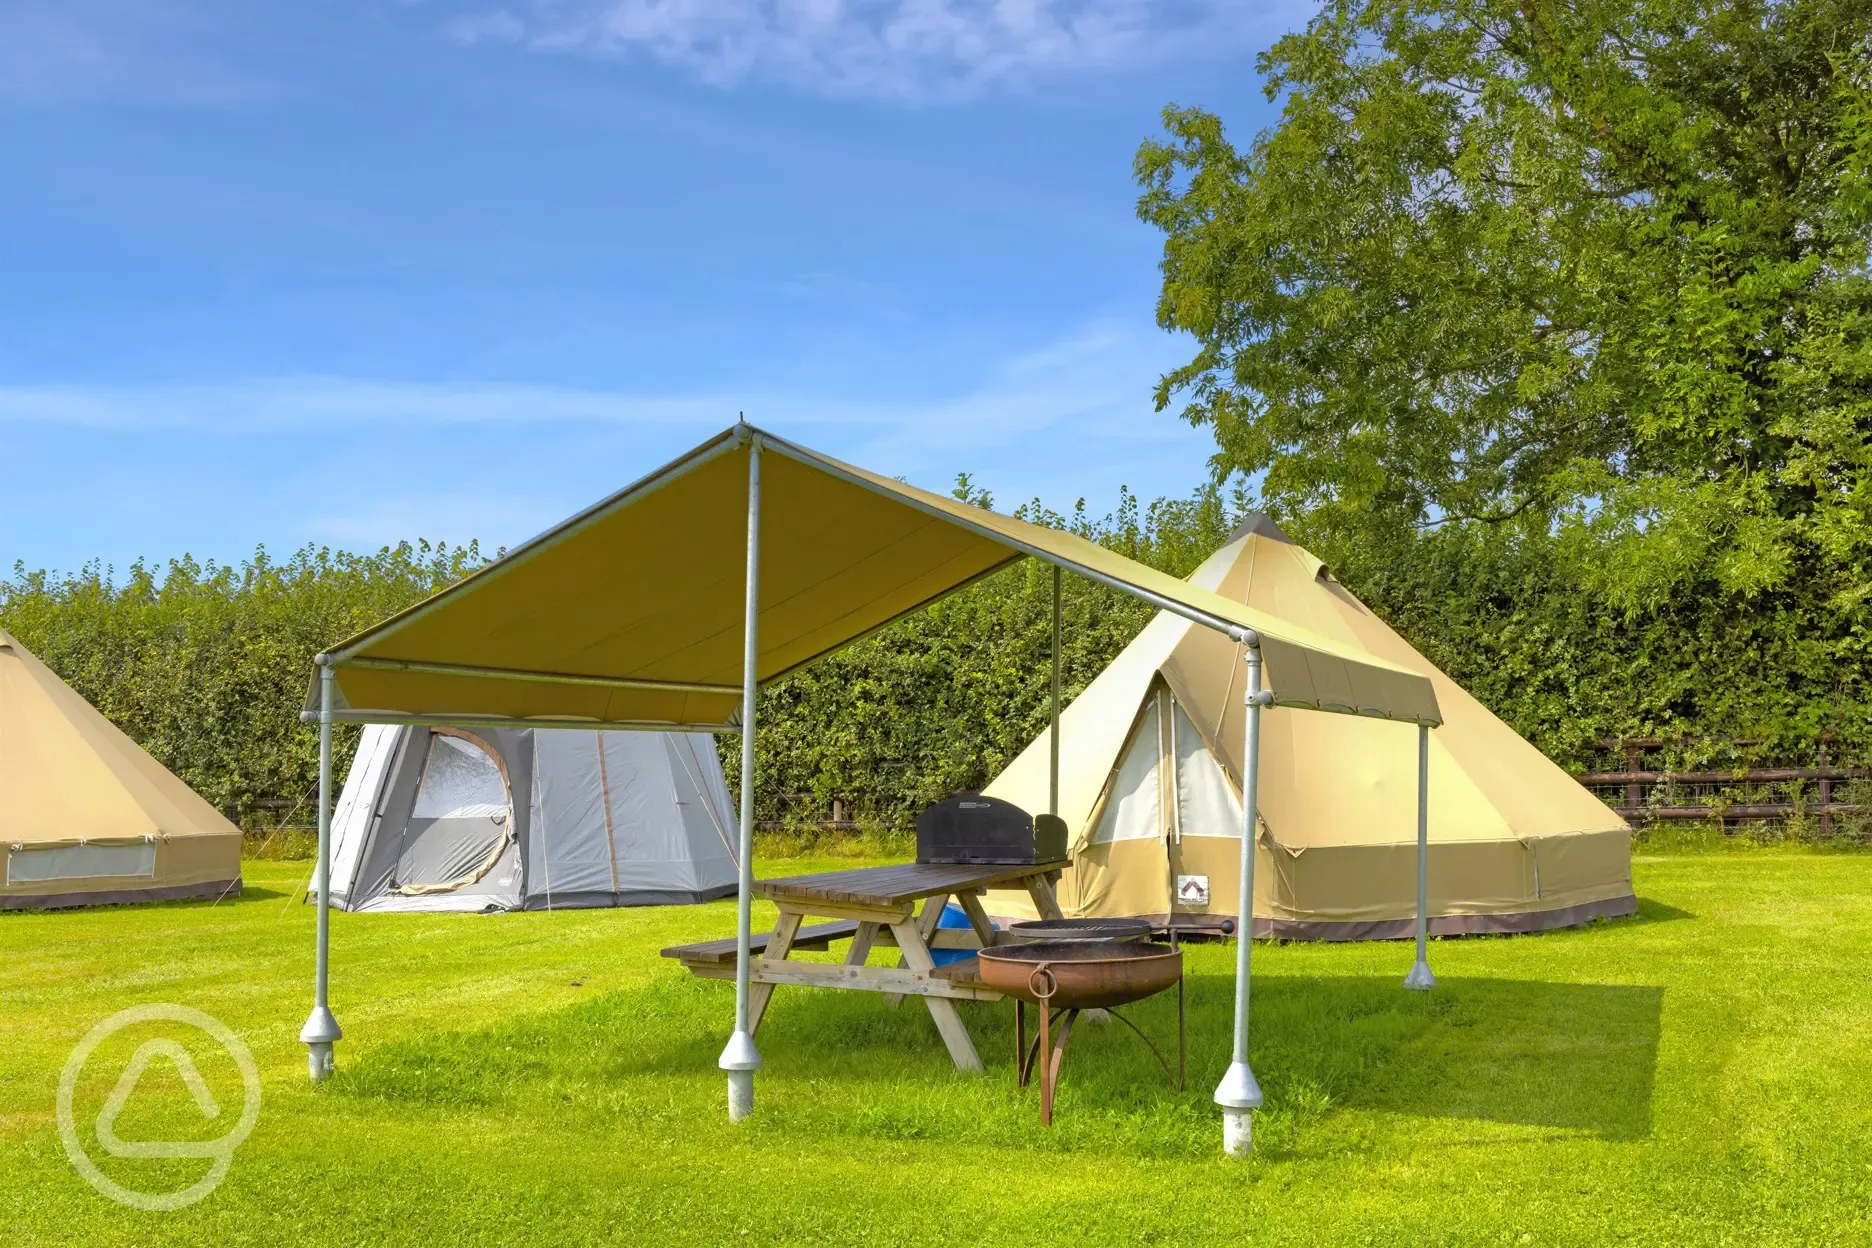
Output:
x,y
483,819
86,815
1150,760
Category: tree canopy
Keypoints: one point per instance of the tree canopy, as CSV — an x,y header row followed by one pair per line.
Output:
x,y
1595,270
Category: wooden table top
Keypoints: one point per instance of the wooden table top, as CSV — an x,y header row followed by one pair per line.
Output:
x,y
894,886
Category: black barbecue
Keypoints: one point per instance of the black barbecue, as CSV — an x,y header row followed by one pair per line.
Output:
x,y
970,828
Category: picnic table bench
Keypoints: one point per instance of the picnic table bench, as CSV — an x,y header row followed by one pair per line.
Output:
x,y
880,906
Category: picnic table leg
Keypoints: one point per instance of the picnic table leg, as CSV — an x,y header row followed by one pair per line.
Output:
x,y
778,946
978,918
1040,888
861,944
925,924
948,1021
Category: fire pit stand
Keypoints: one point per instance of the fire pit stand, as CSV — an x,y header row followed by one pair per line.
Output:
x,y
1067,978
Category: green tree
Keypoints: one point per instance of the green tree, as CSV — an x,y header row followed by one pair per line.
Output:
x,y
1593,271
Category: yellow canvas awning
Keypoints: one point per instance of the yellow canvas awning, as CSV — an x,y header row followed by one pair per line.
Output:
x,y
631,613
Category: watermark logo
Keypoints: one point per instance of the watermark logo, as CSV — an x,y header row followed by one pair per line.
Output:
x,y
221,1151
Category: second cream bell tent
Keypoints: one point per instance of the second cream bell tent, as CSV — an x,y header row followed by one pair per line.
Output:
x,y
86,815
530,819
1149,787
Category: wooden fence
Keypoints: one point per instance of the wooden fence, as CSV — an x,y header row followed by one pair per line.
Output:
x,y
1640,794
840,819
1773,794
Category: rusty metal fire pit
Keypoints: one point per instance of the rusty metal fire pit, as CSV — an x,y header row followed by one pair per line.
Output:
x,y
1066,977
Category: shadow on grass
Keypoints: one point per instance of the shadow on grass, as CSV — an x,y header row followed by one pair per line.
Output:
x,y
254,892
1574,1057
1650,911
248,895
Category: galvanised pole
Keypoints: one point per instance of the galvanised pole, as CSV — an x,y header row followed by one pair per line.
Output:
x,y
1238,1094
1420,977
321,1030
741,1059
1053,762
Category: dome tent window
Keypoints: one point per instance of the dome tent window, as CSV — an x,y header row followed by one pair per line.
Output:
x,y
460,781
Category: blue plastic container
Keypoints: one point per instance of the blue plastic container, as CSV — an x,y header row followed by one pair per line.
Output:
x,y
953,917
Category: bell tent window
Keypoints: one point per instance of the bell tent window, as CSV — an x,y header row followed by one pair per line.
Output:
x,y
1207,803
1133,808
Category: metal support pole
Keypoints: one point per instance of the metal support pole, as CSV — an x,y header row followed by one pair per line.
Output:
x,y
1054,734
1420,977
1238,1094
321,1030
741,1059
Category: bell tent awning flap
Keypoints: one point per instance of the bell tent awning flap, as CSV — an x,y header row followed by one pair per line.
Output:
x,y
631,612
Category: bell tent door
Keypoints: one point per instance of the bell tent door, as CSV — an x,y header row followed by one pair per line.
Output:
x,y
1123,866
1167,830
1205,826
460,827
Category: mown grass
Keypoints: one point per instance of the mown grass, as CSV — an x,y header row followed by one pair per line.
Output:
x,y
1696,1075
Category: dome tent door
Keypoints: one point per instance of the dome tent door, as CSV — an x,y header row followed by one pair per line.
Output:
x,y
462,821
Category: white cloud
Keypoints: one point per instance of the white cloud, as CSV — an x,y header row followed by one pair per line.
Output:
x,y
496,27
1096,380
150,51
1094,384
362,462
893,49
287,404
1082,403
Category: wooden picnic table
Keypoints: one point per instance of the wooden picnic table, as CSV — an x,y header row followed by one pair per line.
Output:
x,y
879,906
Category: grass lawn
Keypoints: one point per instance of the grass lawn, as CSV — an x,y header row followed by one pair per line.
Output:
x,y
1699,1074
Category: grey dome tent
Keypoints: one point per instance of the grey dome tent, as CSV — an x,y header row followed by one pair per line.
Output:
x,y
440,819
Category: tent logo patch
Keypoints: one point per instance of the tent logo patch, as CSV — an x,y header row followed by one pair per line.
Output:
x,y
1193,890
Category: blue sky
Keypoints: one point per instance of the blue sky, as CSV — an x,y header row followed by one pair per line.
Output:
x,y
355,271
